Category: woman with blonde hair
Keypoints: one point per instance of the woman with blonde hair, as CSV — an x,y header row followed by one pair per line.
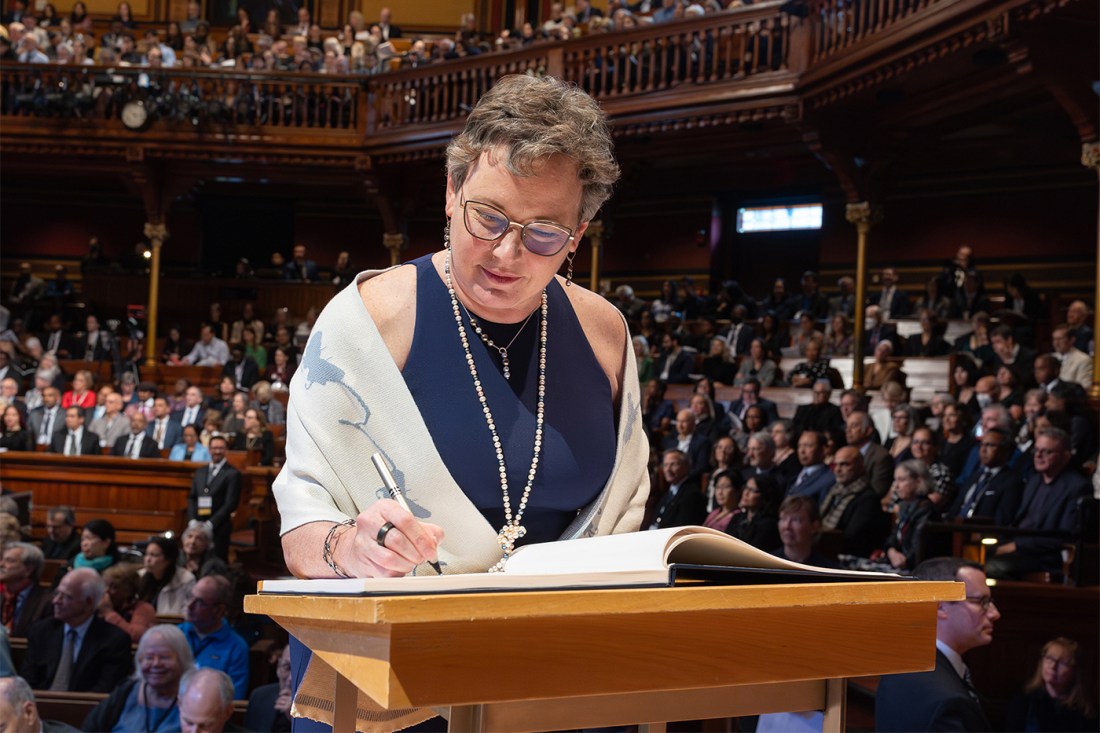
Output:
x,y
1056,698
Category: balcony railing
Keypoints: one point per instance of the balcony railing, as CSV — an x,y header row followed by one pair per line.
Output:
x,y
748,54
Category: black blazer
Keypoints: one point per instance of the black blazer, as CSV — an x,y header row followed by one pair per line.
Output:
x,y
923,701
36,607
103,662
249,375
689,506
698,452
89,443
679,372
225,493
148,447
1000,499
261,715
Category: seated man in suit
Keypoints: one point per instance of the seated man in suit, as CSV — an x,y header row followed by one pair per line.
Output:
x,y
48,418
193,408
75,440
1049,502
212,641
878,465
215,491
996,490
675,365
820,414
137,443
112,424
853,507
269,705
760,456
62,542
814,479
683,504
690,442
1075,365
25,602
750,395
164,430
1012,354
877,331
76,650
943,699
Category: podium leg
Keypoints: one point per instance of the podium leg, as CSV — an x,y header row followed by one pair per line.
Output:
x,y
466,719
836,705
346,699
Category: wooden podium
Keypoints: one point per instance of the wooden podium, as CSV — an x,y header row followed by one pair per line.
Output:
x,y
557,660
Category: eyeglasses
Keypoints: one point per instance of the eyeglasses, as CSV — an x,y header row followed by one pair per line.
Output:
x,y
193,600
1047,451
984,601
488,223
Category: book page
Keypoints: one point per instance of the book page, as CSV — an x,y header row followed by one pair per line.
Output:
x,y
610,553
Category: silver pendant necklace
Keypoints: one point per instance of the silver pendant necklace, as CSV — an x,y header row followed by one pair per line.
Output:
x,y
502,350
512,530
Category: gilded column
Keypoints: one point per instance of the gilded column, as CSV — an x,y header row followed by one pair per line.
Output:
x,y
595,236
1090,158
863,215
395,243
156,234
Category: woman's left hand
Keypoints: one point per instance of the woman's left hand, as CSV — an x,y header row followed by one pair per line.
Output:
x,y
897,559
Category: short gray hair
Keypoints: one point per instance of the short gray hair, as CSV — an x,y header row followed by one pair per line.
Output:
x,y
16,691
32,557
764,438
224,685
918,471
90,583
174,638
530,119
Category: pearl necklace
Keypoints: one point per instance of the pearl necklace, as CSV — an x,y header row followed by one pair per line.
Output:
x,y
512,530
502,350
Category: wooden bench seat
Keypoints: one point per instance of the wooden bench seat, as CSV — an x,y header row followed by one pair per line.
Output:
x,y
131,525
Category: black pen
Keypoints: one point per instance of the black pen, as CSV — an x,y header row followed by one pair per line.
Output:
x,y
395,492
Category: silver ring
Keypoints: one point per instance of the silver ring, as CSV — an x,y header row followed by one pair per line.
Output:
x,y
382,531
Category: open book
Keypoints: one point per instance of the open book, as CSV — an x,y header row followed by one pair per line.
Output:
x,y
665,557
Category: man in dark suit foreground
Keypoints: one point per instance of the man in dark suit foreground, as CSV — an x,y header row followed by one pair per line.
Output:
x,y
943,699
25,602
215,491
76,651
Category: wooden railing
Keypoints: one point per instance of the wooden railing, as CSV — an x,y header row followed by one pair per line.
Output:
x,y
760,54
185,100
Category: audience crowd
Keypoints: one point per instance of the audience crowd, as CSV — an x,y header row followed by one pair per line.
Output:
x,y
298,43
1010,444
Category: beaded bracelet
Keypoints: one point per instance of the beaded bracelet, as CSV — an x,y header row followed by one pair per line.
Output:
x,y
327,552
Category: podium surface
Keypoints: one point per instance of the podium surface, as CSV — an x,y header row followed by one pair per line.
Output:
x,y
545,660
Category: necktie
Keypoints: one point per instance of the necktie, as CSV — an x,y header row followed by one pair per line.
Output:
x,y
130,446
159,434
970,685
64,673
70,449
801,476
975,494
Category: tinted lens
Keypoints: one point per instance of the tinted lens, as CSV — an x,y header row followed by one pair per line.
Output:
x,y
544,239
485,222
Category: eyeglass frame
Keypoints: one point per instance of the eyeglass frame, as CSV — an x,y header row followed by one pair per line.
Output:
x,y
512,224
984,601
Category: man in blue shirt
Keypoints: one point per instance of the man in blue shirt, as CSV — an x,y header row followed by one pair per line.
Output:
x,y
213,643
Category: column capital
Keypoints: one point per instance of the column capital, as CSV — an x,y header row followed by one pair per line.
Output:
x,y
863,213
156,232
1090,155
394,242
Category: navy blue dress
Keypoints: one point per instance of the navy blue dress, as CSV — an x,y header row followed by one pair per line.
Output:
x,y
578,445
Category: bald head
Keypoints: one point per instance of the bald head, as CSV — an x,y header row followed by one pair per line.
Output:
x,y
848,465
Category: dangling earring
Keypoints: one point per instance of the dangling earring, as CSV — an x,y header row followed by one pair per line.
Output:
x,y
447,235
569,269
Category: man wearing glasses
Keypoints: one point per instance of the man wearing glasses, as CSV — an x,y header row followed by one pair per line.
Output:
x,y
1049,503
212,641
943,698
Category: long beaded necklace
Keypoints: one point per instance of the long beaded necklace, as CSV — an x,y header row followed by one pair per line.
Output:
x,y
502,350
512,530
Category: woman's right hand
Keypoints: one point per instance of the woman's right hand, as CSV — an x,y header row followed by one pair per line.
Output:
x,y
410,542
